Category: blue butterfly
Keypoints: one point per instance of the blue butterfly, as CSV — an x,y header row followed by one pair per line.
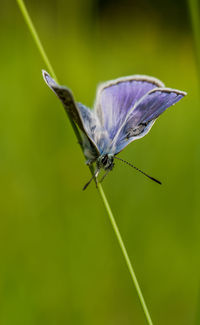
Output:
x,y
125,110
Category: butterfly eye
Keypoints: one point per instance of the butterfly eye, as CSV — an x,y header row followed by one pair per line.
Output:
x,y
104,160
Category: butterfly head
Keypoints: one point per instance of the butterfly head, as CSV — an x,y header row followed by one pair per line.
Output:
x,y
105,161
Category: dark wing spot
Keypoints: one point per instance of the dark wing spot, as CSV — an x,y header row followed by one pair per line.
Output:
x,y
136,131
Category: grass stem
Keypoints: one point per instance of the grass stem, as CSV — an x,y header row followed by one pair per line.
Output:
x,y
126,257
36,37
102,194
194,8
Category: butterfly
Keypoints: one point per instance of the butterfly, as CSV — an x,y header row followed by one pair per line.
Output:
x,y
125,109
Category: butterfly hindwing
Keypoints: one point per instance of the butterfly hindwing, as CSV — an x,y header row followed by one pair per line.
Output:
x,y
94,128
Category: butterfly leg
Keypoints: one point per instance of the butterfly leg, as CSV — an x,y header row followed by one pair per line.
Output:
x,y
96,173
106,173
91,167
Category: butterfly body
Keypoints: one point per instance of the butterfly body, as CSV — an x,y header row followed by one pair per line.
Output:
x,y
125,110
105,162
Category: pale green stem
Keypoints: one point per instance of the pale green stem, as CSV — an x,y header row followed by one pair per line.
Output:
x,y
194,8
194,16
36,38
124,252
44,56
102,194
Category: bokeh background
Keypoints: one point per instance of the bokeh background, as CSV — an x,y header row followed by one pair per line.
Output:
x,y
59,259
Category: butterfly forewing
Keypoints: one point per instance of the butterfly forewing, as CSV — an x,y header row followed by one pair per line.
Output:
x,y
67,99
79,113
144,114
154,104
116,98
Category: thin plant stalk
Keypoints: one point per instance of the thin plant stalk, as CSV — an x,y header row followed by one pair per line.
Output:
x,y
126,257
195,23
44,55
194,8
101,191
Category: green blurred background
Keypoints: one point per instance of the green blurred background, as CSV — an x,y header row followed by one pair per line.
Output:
x,y
59,259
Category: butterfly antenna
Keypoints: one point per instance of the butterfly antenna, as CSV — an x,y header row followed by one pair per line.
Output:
x,y
94,176
139,170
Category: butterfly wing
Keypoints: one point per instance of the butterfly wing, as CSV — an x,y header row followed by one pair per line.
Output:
x,y
143,115
116,98
79,113
94,129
